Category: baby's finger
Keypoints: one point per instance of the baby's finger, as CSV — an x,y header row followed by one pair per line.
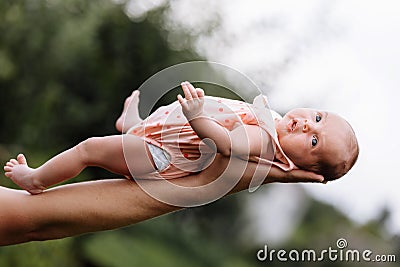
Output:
x,y
192,90
200,92
183,102
186,91
180,99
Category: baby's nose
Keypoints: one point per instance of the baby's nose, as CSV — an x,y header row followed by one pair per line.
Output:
x,y
306,126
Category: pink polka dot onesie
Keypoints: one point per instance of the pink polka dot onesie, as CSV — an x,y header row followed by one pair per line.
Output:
x,y
168,129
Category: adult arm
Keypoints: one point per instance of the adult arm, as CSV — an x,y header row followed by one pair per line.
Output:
x,y
74,209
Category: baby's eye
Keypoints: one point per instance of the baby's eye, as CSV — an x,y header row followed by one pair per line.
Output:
x,y
317,118
314,141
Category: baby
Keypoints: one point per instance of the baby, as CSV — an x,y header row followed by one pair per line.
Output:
x,y
183,137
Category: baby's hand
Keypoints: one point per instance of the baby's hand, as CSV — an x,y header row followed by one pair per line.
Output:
x,y
192,104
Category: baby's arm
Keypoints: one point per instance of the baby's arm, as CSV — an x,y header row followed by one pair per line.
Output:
x,y
242,140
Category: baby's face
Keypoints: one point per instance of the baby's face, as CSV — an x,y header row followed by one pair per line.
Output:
x,y
308,135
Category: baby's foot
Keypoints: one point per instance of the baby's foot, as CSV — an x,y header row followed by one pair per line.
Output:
x,y
130,113
21,174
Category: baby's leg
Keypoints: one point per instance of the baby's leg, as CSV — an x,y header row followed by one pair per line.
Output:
x,y
130,114
105,152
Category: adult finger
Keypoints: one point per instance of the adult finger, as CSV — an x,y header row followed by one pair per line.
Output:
x,y
277,175
306,176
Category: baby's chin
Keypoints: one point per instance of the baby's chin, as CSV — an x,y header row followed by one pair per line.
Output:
x,y
280,127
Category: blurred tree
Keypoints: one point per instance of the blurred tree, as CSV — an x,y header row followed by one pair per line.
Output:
x,y
65,69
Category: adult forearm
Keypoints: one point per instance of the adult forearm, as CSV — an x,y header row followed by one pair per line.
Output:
x,y
74,209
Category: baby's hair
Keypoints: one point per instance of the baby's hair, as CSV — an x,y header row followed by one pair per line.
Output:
x,y
334,171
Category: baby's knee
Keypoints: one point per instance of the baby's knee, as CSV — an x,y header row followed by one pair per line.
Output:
x,y
95,150
86,148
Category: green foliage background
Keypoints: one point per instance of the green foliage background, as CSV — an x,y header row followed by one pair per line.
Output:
x,y
65,69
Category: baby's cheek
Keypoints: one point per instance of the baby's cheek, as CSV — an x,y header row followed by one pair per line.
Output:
x,y
291,149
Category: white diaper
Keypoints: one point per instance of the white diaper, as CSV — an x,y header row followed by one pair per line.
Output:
x,y
161,157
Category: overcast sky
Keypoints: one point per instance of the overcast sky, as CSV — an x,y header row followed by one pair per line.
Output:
x,y
342,56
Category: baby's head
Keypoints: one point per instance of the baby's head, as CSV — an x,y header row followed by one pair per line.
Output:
x,y
318,141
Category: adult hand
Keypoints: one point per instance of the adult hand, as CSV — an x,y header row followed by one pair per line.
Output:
x,y
277,175
232,167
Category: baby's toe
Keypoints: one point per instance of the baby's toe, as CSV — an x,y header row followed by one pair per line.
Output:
x,y
21,159
7,168
14,161
9,164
